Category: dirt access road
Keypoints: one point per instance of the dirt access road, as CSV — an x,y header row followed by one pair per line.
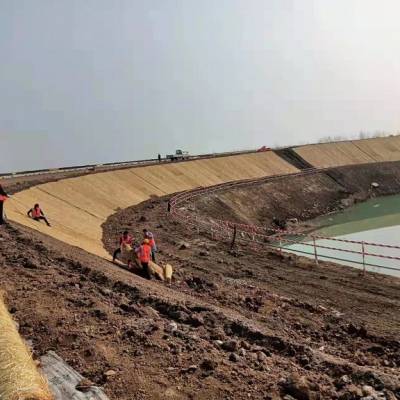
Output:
x,y
233,325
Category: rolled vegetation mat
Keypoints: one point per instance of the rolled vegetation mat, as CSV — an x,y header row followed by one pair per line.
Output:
x,y
156,270
168,272
19,376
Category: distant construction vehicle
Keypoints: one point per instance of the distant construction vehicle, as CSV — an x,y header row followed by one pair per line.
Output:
x,y
264,148
179,155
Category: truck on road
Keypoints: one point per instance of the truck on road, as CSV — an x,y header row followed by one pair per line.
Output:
x,y
179,155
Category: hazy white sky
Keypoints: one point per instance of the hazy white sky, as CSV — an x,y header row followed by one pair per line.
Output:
x,y
86,81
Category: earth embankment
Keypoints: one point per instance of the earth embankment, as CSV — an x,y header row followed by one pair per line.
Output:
x,y
302,197
233,324
321,301
351,152
78,206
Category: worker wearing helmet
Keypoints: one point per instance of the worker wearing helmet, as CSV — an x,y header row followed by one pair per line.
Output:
x,y
149,235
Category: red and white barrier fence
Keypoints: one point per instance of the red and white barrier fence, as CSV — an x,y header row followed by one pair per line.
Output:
x,y
182,208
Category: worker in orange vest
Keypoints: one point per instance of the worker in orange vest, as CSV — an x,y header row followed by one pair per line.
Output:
x,y
37,214
149,235
144,254
3,197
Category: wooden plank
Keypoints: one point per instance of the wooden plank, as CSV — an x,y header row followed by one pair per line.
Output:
x,y
63,380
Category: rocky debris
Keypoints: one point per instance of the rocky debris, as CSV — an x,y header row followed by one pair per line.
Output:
x,y
138,353
235,253
242,352
105,291
351,392
130,308
375,185
183,245
345,203
100,314
198,283
261,357
208,364
299,387
368,391
218,335
171,327
196,320
355,330
29,264
343,381
230,345
391,396
254,303
234,357
190,370
376,349
40,247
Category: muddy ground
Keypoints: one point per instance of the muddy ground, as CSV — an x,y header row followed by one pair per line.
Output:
x,y
232,325
327,315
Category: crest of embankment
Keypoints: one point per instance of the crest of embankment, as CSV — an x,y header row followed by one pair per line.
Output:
x,y
351,152
77,207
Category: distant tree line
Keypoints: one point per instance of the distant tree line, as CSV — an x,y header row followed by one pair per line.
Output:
x,y
361,135
341,138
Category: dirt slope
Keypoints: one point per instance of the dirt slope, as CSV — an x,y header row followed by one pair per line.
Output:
x,y
231,326
327,311
78,206
302,197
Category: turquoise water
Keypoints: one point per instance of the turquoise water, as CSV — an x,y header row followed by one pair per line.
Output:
x,y
376,221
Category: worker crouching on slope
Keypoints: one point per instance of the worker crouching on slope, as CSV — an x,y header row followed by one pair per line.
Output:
x,y
148,235
125,240
144,254
37,214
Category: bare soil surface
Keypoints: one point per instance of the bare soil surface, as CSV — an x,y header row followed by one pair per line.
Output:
x,y
318,323
232,325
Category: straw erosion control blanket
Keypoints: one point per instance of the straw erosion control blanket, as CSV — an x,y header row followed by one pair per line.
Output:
x,y
19,377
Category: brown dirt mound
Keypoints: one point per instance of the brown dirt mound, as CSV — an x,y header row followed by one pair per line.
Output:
x,y
322,323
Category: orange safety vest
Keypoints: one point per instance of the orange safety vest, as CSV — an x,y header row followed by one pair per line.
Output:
x,y
36,212
145,253
127,240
